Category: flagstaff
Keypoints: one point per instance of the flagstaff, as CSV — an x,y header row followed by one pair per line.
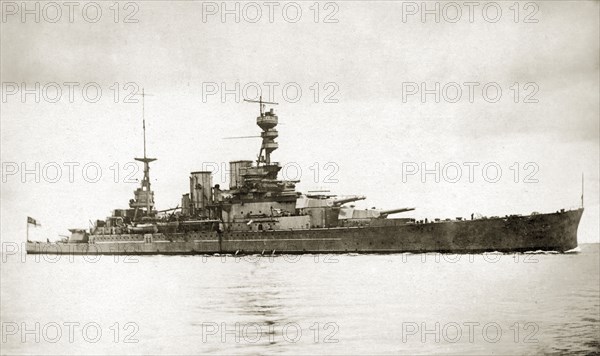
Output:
x,y
33,221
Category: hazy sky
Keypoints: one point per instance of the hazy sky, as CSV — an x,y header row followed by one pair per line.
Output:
x,y
369,56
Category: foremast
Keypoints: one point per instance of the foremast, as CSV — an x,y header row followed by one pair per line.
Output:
x,y
143,201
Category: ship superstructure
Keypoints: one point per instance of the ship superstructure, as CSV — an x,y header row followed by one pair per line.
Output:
x,y
257,200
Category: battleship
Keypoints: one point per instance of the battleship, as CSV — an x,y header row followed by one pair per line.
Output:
x,y
262,214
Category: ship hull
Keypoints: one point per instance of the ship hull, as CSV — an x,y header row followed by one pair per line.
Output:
x,y
547,232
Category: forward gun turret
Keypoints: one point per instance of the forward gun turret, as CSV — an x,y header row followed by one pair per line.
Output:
x,y
348,199
384,213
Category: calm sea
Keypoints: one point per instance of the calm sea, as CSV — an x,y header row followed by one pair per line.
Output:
x,y
310,304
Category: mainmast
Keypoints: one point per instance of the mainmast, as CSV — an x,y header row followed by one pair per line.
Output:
x,y
144,197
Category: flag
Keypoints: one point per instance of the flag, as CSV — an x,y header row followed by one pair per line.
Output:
x,y
32,221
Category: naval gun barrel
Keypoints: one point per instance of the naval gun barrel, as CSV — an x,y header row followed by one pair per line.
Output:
x,y
342,201
385,213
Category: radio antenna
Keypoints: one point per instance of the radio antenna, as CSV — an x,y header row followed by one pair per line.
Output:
x,y
261,103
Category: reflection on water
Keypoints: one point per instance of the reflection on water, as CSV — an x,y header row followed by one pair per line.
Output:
x,y
342,304
260,310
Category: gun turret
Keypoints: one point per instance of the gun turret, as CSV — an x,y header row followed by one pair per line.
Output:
x,y
342,201
385,213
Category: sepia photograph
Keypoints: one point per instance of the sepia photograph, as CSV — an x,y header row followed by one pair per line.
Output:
x,y
305,177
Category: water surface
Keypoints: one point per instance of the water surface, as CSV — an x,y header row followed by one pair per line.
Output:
x,y
323,304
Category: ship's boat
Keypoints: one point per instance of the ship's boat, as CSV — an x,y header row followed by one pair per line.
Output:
x,y
142,228
167,227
